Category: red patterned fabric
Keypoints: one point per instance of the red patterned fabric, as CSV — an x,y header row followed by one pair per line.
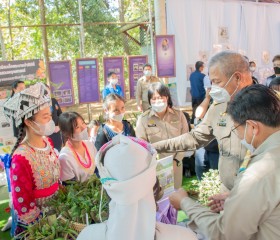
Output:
x,y
22,183
33,171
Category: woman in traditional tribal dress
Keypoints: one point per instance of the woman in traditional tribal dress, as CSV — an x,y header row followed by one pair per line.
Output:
x,y
35,167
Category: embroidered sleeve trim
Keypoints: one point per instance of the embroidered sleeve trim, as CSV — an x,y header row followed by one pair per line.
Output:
x,y
30,216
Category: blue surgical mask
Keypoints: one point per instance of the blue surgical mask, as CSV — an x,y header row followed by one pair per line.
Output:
x,y
147,73
249,146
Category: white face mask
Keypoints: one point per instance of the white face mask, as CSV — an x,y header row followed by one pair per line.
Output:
x,y
115,117
147,73
83,135
220,94
45,129
159,106
249,146
114,81
252,69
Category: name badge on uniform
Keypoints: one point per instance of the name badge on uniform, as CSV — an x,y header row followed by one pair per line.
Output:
x,y
222,122
151,123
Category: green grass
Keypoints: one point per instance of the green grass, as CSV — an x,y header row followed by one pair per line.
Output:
x,y
4,203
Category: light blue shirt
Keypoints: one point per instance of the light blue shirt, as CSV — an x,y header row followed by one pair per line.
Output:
x,y
110,89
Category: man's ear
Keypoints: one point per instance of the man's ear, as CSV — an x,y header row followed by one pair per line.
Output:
x,y
238,76
256,127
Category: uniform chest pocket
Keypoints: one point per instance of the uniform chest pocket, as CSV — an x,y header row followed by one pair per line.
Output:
x,y
154,134
152,130
229,143
173,128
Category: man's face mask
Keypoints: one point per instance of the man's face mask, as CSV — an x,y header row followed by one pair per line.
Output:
x,y
113,81
147,73
249,146
252,69
220,94
277,70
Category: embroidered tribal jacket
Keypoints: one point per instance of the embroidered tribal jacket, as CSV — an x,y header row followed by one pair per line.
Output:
x,y
34,179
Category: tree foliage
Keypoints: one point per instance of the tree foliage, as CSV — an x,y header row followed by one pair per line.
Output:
x,y
104,38
100,39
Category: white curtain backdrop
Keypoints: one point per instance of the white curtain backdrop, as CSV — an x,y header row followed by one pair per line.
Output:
x,y
253,29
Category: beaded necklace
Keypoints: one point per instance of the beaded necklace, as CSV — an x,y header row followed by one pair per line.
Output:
x,y
44,163
52,154
84,165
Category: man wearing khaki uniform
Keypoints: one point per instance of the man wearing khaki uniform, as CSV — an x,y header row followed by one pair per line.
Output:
x,y
142,88
229,72
155,125
252,209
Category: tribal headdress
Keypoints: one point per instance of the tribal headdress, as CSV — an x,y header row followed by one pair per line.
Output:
x,y
27,102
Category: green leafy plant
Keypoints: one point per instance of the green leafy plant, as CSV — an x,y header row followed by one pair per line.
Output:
x,y
48,228
101,118
78,200
208,186
132,117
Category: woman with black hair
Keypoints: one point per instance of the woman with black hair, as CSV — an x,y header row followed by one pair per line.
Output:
x,y
162,122
56,112
114,108
35,169
77,156
17,86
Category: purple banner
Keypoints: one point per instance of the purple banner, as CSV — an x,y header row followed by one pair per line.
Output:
x,y
165,56
88,80
114,64
61,82
135,67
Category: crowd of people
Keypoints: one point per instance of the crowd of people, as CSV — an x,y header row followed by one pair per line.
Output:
x,y
236,130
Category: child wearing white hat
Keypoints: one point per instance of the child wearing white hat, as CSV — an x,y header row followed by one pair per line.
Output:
x,y
127,167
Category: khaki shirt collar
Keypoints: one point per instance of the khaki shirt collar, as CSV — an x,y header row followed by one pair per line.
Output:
x,y
271,142
153,113
146,79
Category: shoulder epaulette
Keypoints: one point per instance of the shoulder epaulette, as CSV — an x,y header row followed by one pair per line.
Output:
x,y
146,113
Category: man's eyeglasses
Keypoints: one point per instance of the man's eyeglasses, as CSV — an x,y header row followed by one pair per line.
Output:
x,y
233,129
